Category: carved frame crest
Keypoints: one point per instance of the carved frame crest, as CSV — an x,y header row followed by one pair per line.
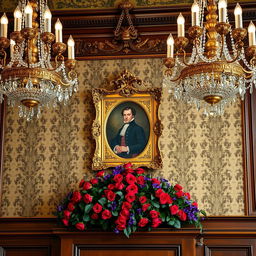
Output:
x,y
147,100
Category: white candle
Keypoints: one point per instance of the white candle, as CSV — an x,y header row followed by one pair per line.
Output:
x,y
12,43
238,16
170,46
195,14
71,48
181,26
222,11
251,34
47,20
4,25
28,15
58,31
17,19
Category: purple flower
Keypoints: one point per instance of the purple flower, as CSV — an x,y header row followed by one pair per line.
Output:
x,y
155,185
116,231
139,211
113,206
60,208
106,177
118,169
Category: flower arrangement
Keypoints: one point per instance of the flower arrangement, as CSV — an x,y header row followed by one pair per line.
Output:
x,y
127,199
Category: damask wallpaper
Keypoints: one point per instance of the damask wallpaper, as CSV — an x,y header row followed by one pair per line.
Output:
x,y
7,5
46,158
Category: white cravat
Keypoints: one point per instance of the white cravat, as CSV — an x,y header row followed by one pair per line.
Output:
x,y
126,125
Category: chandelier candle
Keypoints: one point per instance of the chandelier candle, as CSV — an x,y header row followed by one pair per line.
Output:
x,y
251,34
181,26
222,11
71,48
195,14
170,46
4,24
238,16
216,73
47,20
31,80
17,19
58,31
28,15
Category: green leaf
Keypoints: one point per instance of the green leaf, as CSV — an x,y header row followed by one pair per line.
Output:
x,y
115,213
134,228
87,208
126,233
105,225
129,230
168,218
152,197
203,212
163,215
171,223
177,224
86,218
120,193
102,201
155,204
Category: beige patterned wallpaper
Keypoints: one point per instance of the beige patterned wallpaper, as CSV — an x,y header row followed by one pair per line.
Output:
x,y
45,159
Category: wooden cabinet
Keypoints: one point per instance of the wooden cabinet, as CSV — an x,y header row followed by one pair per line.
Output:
x,y
222,236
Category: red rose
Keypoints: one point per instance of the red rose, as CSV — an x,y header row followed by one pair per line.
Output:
x,y
118,178
129,170
121,227
119,186
94,216
81,183
141,180
121,220
80,226
125,213
66,214
130,179
140,170
76,197
159,192
156,222
165,198
110,195
132,189
130,197
111,186
128,165
126,205
87,186
178,187
71,207
65,222
195,204
106,214
100,174
143,222
87,198
154,214
187,195
179,194
182,215
97,208
94,181
145,207
174,209
143,199
155,181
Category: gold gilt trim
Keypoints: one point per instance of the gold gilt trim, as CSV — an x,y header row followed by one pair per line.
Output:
x,y
21,72
217,67
126,88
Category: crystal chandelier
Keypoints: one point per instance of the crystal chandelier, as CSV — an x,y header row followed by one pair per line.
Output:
x,y
219,69
29,79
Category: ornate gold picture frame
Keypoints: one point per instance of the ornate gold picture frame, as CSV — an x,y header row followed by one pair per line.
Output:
x,y
143,129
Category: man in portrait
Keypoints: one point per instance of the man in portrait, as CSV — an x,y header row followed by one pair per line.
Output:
x,y
130,139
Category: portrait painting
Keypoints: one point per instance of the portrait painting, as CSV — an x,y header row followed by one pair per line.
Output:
x,y
127,126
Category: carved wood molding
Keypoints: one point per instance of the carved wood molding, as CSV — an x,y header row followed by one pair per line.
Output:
x,y
249,136
93,30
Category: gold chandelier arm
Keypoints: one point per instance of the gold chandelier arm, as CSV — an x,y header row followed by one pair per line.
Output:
x,y
236,57
184,57
59,58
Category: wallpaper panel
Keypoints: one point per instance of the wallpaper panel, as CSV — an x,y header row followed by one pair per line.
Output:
x,y
46,158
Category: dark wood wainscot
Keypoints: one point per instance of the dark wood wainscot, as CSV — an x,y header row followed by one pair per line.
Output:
x,y
234,236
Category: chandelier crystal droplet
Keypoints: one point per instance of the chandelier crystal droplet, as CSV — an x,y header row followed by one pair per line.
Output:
x,y
217,72
30,79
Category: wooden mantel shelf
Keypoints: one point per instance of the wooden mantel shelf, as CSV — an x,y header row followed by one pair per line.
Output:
x,y
221,236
